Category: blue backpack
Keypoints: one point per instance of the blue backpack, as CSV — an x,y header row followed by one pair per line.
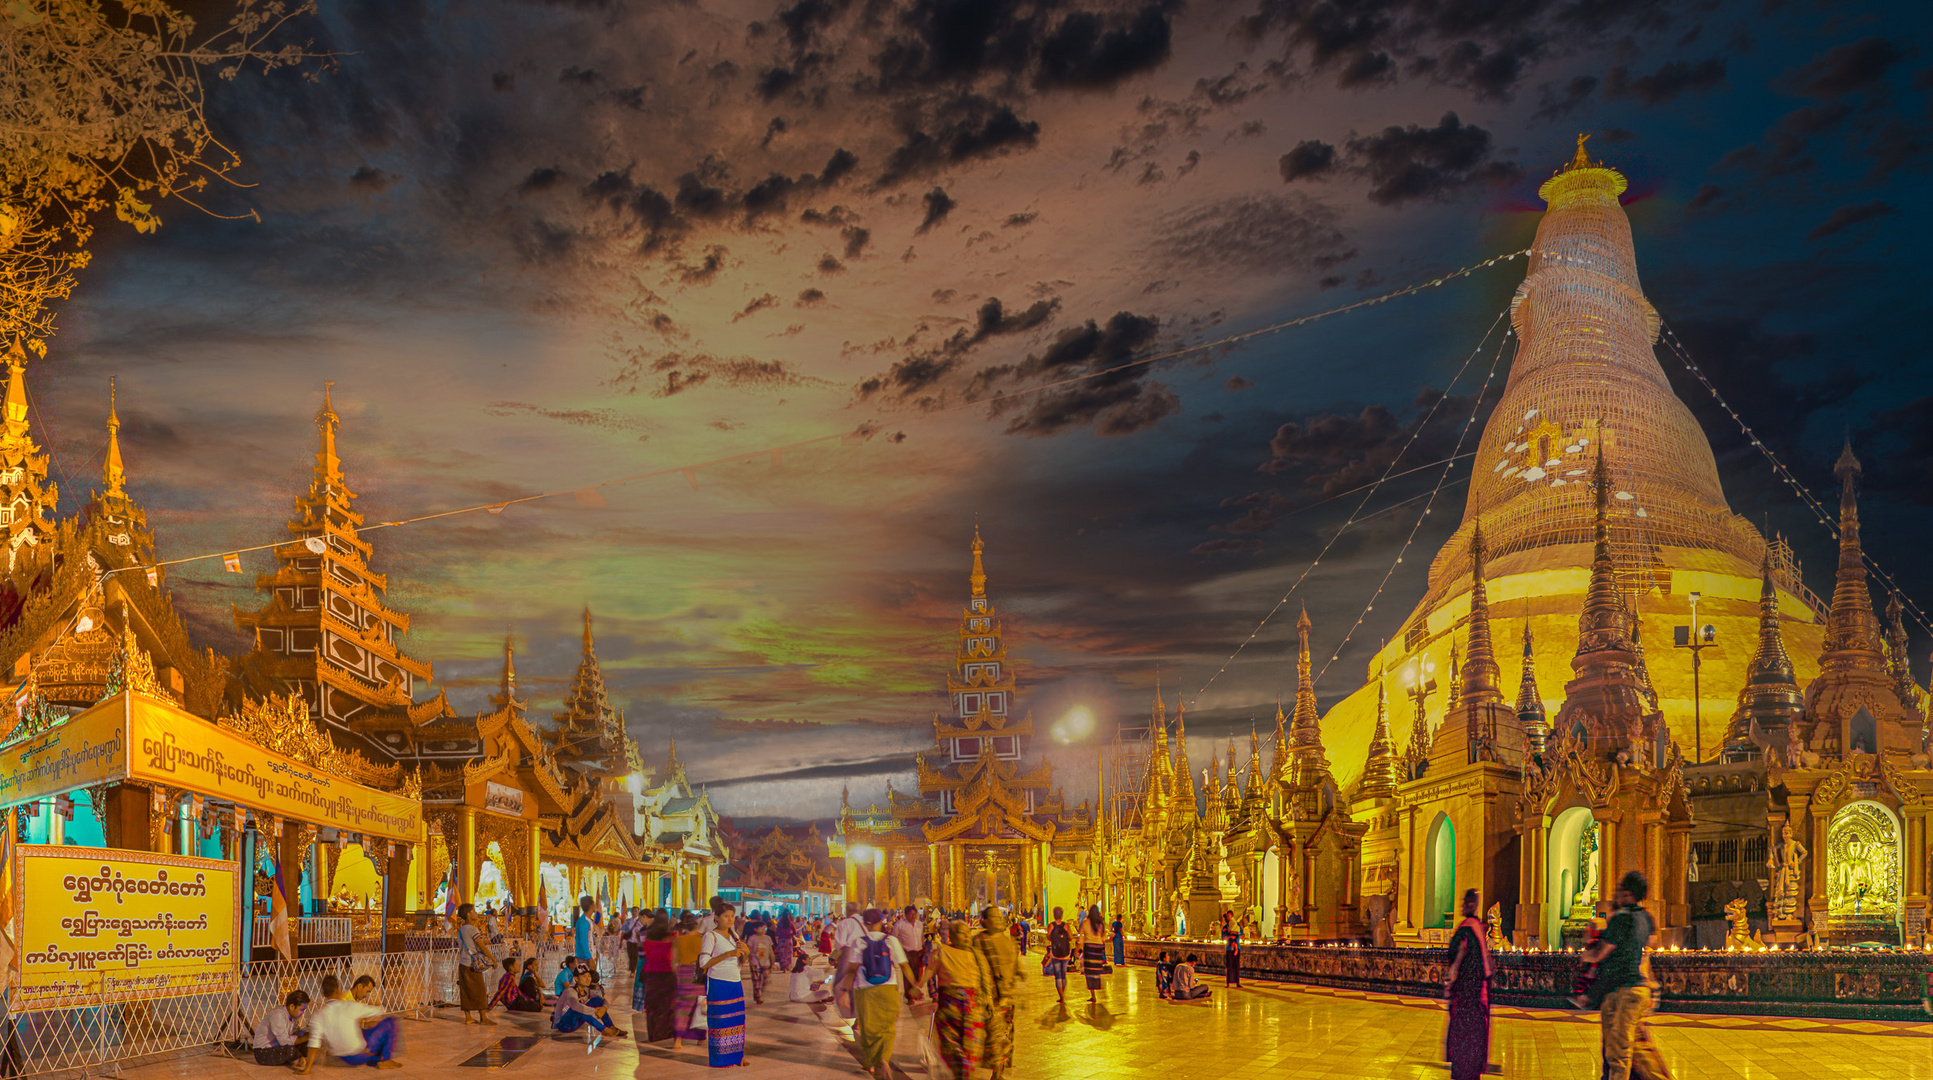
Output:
x,y
876,960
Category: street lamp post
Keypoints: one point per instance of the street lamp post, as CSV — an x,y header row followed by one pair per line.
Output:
x,y
1696,638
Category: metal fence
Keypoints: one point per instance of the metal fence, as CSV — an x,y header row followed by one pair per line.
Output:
x,y
102,1036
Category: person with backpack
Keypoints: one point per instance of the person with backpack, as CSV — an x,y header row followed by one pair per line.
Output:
x,y
879,973
1060,951
1623,987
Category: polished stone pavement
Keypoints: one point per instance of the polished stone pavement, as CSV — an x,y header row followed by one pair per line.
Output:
x,y
1263,1031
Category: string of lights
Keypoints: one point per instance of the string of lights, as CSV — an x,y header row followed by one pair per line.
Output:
x,y
1357,514
1818,508
1476,408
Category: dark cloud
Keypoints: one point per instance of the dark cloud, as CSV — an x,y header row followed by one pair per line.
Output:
x,y
1704,198
1237,382
1848,69
1115,402
1846,217
959,130
1016,220
1672,79
1226,545
838,166
756,305
370,179
1083,52
1310,158
938,205
921,370
668,374
1406,164
856,240
810,297
1335,452
1554,102
1255,233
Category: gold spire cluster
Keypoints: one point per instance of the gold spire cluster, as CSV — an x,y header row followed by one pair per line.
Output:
x,y
1381,773
1308,763
1479,673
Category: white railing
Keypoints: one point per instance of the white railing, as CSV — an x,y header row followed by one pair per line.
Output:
x,y
312,930
106,1034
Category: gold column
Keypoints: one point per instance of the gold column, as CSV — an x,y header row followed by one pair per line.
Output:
x,y
536,860
933,890
881,860
467,864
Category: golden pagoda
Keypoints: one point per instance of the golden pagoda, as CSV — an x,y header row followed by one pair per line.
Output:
x,y
326,634
985,826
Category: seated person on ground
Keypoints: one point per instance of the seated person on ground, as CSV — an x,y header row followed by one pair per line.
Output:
x,y
349,1027
1164,974
577,1008
278,1038
1185,986
564,972
529,996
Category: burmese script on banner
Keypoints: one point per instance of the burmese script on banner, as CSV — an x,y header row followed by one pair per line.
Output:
x,y
102,924
168,746
89,749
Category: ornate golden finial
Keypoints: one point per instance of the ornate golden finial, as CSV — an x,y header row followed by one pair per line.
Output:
x,y
1530,704
1480,673
979,578
112,474
133,667
16,418
328,467
672,768
1582,160
1455,700
587,630
1380,772
1770,700
1603,626
1903,685
1853,637
1308,761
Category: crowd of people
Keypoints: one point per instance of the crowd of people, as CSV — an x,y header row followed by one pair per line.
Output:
x,y
691,971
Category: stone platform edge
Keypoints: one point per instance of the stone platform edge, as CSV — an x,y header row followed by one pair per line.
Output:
x,y
1823,985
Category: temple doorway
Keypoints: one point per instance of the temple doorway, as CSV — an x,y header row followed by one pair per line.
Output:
x,y
1439,888
1571,885
1863,873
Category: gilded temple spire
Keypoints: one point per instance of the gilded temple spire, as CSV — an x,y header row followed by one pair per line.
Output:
x,y
1380,774
1307,759
1184,775
506,694
1480,674
979,577
1853,638
1770,700
113,476
1455,700
1903,685
328,466
1530,704
1604,626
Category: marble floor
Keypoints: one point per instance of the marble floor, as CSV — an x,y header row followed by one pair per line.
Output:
x,y
1263,1031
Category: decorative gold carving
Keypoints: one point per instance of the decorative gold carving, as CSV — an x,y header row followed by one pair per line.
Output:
x,y
281,725
1739,935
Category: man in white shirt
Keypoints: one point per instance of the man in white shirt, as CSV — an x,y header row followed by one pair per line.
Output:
x,y
846,933
912,938
278,1039
876,1003
347,1026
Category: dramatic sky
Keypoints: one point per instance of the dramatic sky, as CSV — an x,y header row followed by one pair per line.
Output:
x,y
542,245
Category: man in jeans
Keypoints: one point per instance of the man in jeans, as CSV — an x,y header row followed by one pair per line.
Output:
x,y
1623,985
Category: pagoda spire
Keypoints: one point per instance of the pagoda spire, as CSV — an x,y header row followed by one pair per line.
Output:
x,y
1183,774
1307,760
979,578
1279,749
112,474
1903,684
671,766
1770,700
1480,674
1853,636
328,466
1380,772
1255,788
1454,703
1605,625
16,418
1234,785
1530,704
506,694
587,632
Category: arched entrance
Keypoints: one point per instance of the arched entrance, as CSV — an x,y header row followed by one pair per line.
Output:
x,y
1570,869
1863,871
1439,867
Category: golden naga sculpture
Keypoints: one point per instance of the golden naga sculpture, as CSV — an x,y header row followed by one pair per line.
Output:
x,y
1739,935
